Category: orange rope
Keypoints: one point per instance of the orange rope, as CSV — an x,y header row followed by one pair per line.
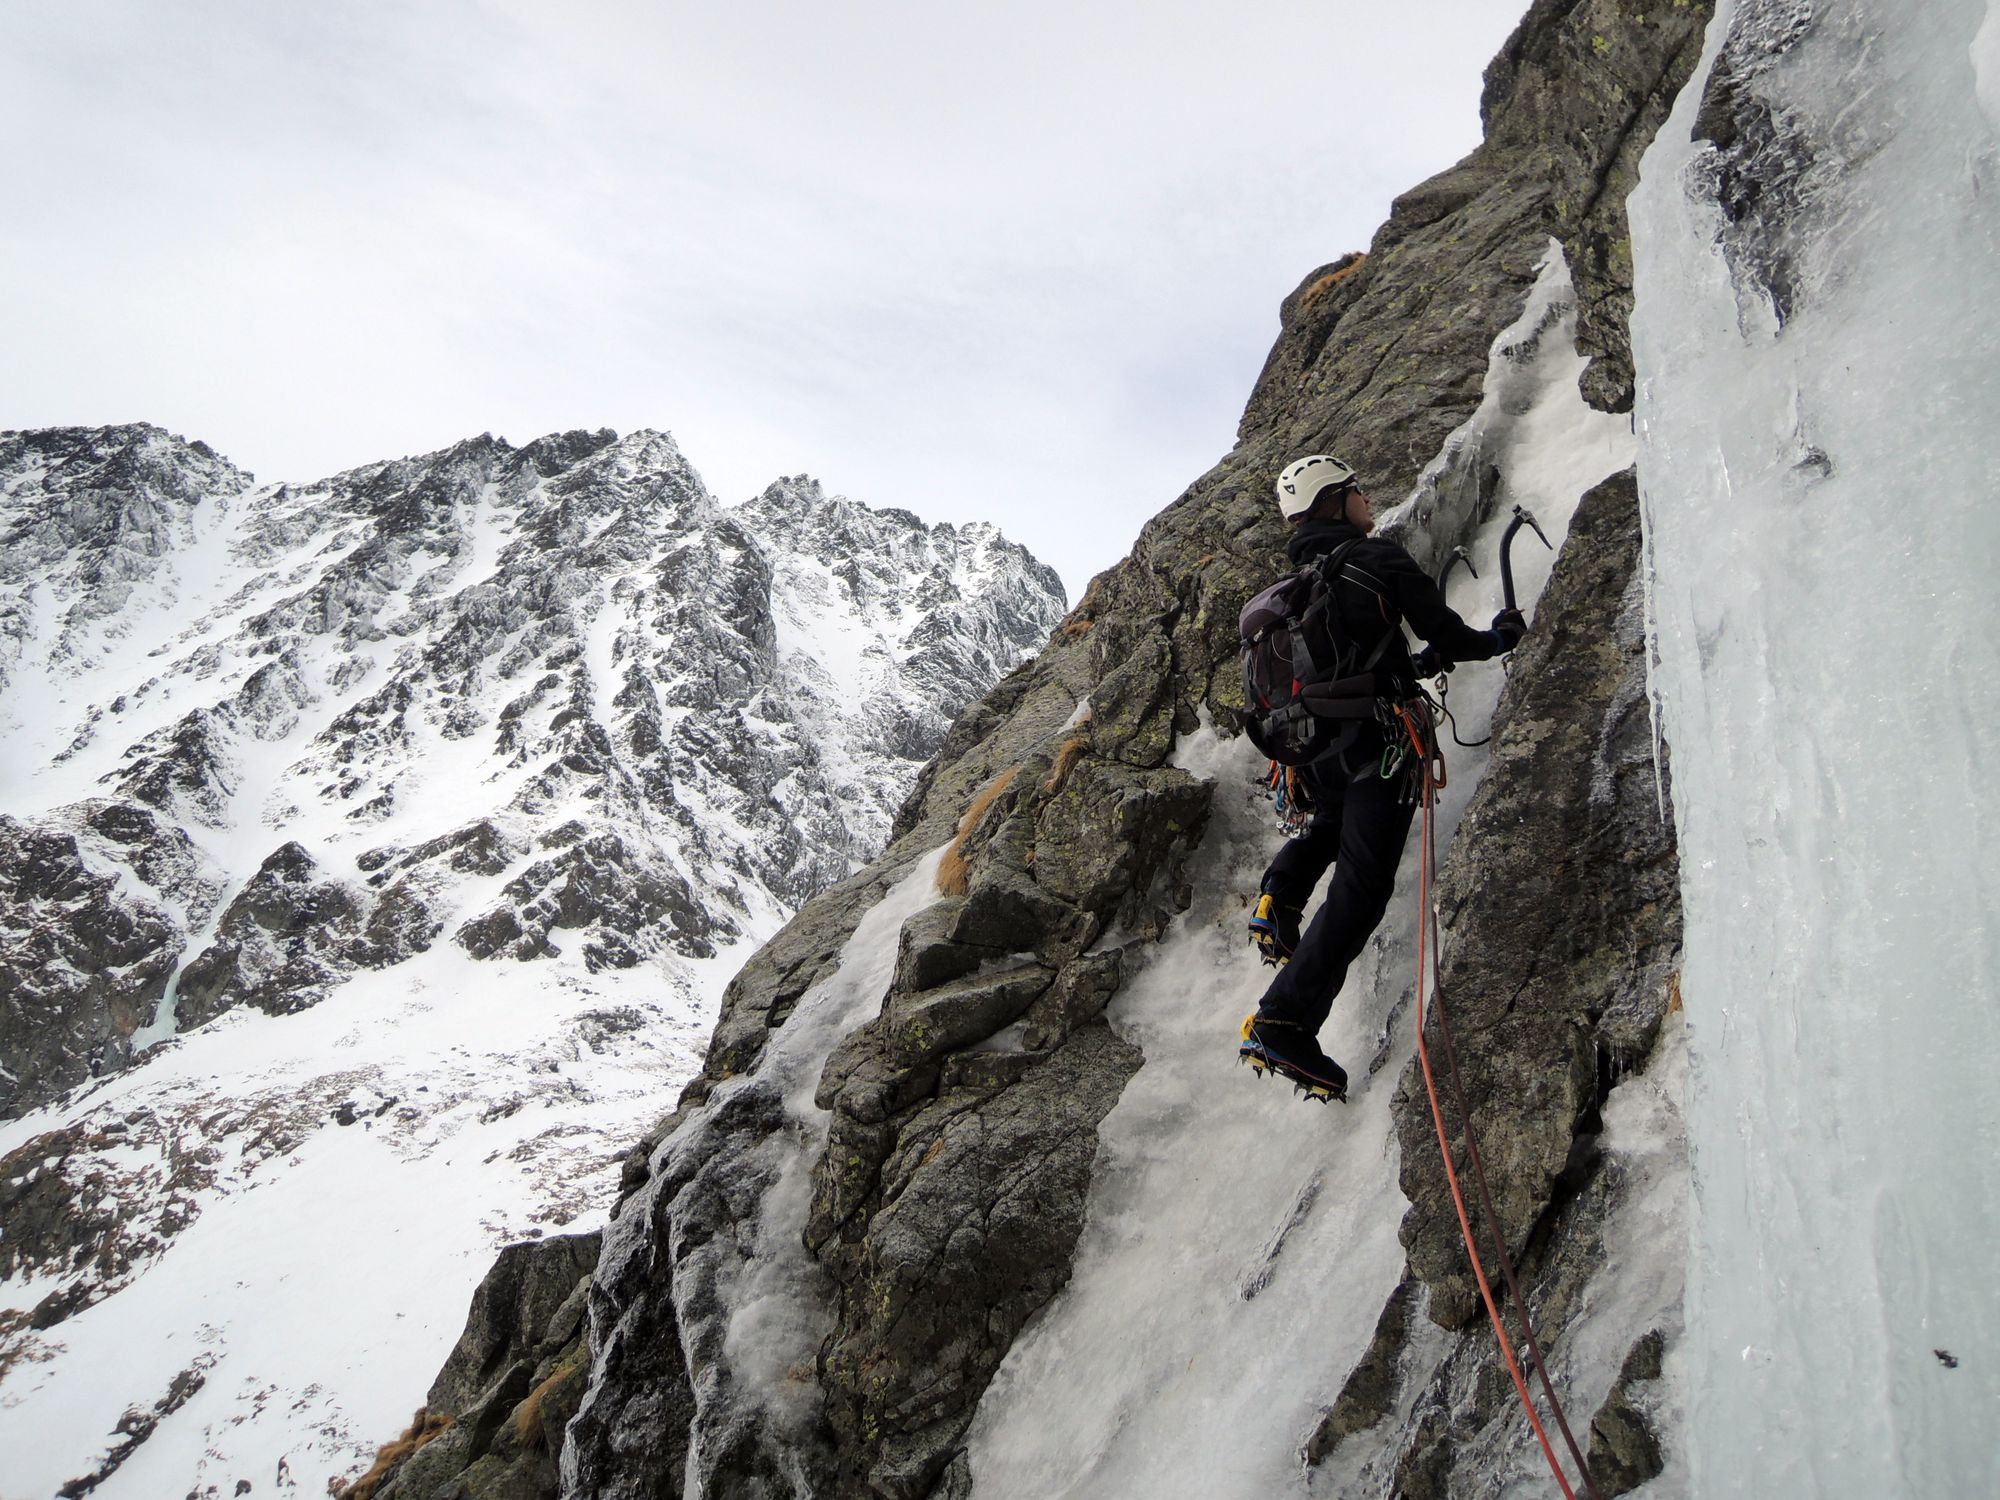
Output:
x,y
1427,942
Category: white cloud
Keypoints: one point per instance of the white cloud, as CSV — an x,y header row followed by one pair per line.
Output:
x,y
1013,261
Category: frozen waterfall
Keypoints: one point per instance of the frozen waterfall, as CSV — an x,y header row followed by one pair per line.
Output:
x,y
1819,370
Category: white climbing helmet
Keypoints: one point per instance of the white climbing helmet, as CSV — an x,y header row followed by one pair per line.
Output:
x,y
1301,483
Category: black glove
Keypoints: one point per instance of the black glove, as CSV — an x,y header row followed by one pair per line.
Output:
x,y
1508,628
1428,663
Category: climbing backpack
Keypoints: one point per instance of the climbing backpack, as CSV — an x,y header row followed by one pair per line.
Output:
x,y
1309,688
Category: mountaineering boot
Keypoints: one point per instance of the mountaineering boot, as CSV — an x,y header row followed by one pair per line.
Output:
x,y
1292,1052
1274,929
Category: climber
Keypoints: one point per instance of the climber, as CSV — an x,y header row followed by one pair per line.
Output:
x,y
1362,789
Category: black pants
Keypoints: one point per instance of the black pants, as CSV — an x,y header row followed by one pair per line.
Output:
x,y
1360,828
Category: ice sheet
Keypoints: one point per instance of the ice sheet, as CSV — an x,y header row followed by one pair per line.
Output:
x,y
1818,377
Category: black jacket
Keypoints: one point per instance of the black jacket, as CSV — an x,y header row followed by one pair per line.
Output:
x,y
1382,587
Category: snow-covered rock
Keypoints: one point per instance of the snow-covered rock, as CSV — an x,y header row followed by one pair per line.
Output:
x,y
425,807
518,699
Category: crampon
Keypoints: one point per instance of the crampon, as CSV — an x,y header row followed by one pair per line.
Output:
x,y
1309,1071
1274,929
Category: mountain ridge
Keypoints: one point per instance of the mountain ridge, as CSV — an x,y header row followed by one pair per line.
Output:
x,y
350,822
446,575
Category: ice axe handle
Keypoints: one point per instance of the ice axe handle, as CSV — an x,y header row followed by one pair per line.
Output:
x,y
1521,518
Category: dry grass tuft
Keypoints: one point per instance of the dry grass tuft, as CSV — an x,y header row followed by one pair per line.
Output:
x,y
1066,759
528,1429
1345,267
1674,994
954,875
1079,620
424,1426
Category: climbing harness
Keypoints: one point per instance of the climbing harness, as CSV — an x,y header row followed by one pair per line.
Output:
x,y
1430,952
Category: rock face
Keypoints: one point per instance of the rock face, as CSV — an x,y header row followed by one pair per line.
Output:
x,y
943,1204
82,964
493,1419
102,515
664,721
289,936
1566,928
981,1059
892,1140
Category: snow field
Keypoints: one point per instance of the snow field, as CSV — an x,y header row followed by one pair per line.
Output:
x,y
320,1288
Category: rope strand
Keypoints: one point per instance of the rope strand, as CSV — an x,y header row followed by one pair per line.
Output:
x,y
1429,948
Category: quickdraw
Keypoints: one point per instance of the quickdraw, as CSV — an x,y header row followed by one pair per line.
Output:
x,y
1412,727
1288,799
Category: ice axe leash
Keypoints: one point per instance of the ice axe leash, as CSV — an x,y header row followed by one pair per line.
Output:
x,y
1522,517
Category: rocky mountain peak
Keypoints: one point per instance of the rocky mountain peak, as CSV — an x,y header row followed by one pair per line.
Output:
x,y
91,521
557,451
481,681
430,803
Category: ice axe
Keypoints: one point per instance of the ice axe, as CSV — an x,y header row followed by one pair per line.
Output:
x,y
1458,555
1428,662
1521,518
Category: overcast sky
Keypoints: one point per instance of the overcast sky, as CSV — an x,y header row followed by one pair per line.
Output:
x,y
1010,262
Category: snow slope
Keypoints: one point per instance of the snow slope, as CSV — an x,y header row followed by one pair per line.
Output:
x,y
448,793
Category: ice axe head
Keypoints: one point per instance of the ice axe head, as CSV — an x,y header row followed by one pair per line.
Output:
x,y
1522,513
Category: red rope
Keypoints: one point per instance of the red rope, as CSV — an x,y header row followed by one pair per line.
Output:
x,y
1429,948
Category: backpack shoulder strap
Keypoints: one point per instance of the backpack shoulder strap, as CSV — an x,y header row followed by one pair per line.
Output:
x,y
1339,558
1326,570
